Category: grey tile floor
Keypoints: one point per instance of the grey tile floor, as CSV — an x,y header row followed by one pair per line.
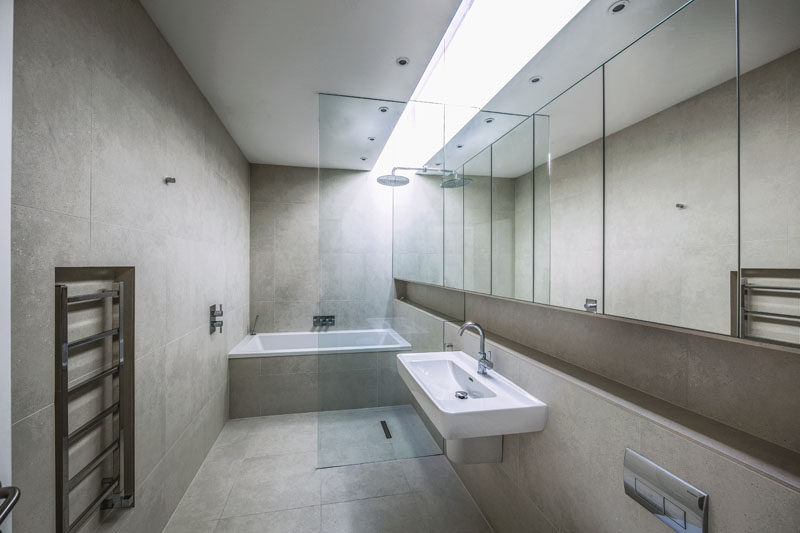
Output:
x,y
261,475
354,436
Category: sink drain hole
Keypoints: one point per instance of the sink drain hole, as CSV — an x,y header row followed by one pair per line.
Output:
x,y
386,431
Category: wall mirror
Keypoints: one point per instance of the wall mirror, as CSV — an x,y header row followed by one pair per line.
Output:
x,y
671,177
650,189
570,161
769,54
478,222
512,213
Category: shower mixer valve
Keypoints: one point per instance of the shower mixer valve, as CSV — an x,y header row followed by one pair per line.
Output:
x,y
213,322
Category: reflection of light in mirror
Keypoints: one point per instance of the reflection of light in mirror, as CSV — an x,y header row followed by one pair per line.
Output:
x,y
486,44
493,41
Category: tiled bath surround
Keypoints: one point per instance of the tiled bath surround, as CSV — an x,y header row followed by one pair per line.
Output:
x,y
591,419
306,383
103,111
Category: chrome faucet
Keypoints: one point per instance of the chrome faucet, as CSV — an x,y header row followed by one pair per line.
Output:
x,y
484,358
253,331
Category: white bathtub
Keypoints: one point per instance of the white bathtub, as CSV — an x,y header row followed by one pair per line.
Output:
x,y
306,343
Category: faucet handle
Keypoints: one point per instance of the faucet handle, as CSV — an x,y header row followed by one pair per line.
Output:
x,y
486,360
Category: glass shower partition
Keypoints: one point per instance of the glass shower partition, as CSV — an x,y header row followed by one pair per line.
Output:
x,y
365,411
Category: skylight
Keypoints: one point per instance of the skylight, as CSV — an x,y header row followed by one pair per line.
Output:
x,y
487,43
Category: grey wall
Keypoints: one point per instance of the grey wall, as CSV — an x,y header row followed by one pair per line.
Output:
x,y
284,247
319,245
103,110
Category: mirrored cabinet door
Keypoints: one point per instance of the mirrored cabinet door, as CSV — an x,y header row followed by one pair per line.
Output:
x,y
512,213
478,222
769,52
454,232
671,172
541,210
573,169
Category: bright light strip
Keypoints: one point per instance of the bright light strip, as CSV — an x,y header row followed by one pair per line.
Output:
x,y
487,43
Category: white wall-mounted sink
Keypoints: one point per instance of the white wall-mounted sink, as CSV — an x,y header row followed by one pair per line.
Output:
x,y
493,404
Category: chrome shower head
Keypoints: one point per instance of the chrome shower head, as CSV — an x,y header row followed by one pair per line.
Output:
x,y
454,182
390,180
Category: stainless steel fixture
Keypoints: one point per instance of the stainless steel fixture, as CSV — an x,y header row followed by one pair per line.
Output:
x,y
119,487
213,314
590,305
484,358
394,180
253,330
675,502
10,496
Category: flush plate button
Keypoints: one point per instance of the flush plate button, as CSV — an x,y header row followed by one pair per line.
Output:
x,y
677,514
680,505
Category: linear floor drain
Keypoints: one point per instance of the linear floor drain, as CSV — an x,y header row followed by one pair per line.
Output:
x,y
386,431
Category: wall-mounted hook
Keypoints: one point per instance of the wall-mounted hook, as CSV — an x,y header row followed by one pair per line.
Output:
x,y
680,206
169,179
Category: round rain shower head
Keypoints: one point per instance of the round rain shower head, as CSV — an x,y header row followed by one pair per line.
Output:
x,y
390,180
455,182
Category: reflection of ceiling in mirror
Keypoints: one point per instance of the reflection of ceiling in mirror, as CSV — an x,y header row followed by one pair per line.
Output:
x,y
481,131
692,52
512,155
346,125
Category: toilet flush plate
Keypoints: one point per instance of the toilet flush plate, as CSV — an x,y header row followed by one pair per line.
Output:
x,y
681,506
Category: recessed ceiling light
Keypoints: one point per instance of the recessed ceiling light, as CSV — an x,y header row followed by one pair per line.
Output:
x,y
383,109
535,79
370,138
402,61
489,120
618,6
363,158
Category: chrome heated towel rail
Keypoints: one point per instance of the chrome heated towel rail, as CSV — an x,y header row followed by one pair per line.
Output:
x,y
118,490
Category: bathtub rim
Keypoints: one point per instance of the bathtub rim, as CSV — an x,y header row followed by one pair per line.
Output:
x,y
239,351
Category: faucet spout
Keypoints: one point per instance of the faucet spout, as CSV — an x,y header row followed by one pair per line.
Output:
x,y
484,358
253,330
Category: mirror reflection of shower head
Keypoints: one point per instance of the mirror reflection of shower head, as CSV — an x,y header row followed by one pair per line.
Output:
x,y
393,180
455,182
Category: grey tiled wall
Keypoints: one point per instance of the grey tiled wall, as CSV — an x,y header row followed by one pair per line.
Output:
x,y
262,386
103,111
320,244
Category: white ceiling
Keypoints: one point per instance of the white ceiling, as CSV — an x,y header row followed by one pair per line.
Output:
x,y
262,63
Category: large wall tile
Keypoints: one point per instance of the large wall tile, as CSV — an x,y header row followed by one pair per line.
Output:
x,y
34,470
40,241
52,106
151,412
745,388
